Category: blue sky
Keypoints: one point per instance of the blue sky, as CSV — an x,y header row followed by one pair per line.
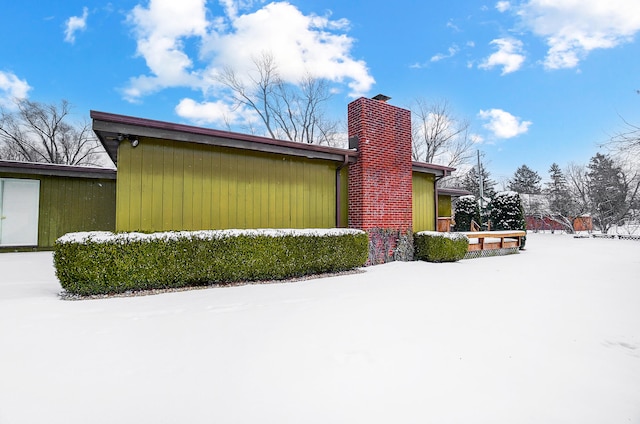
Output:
x,y
541,81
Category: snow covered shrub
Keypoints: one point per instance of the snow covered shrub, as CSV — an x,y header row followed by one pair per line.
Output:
x,y
103,262
507,213
433,246
466,210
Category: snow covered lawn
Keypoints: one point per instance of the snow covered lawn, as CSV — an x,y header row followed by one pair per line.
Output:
x,y
548,336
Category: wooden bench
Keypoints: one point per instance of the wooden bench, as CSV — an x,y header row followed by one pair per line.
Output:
x,y
490,240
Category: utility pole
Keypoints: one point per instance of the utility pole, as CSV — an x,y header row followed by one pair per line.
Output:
x,y
480,182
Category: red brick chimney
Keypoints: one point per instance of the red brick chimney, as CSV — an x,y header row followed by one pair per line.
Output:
x,y
380,187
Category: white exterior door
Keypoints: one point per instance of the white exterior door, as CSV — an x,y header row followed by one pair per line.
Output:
x,y
19,208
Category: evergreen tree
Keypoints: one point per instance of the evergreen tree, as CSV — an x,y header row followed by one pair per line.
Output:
x,y
557,191
507,213
466,210
470,183
607,191
525,181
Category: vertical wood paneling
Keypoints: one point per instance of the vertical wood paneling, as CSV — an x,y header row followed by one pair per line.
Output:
x,y
169,185
70,204
157,177
178,187
207,187
423,202
444,206
123,188
261,194
135,197
198,195
145,150
344,193
167,188
224,207
47,225
281,195
297,198
215,212
187,189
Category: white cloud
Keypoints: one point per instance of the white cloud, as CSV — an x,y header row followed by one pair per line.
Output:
x,y
476,138
452,51
509,56
12,88
573,28
503,6
453,26
299,43
218,112
503,124
75,24
160,30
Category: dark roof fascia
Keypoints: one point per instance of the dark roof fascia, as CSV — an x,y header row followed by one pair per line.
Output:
x,y
431,168
453,192
107,126
31,168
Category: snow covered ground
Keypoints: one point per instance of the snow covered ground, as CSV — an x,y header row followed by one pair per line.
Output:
x,y
548,336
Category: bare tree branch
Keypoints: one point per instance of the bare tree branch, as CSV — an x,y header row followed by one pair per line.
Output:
x,y
438,136
38,132
289,111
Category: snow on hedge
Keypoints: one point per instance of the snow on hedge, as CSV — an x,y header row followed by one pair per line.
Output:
x,y
450,236
109,237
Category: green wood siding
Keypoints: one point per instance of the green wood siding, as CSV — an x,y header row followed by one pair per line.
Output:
x,y
423,202
444,206
70,204
170,185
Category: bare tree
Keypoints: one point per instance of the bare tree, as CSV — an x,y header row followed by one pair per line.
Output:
x,y
439,136
604,189
578,186
288,111
626,144
258,91
37,132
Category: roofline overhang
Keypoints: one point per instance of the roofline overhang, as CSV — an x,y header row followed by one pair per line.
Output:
x,y
108,126
431,168
48,169
453,192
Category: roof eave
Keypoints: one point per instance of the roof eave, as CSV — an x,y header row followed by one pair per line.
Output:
x,y
48,169
431,168
109,126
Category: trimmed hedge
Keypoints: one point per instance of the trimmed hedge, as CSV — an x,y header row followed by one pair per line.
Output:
x,y
434,246
106,263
